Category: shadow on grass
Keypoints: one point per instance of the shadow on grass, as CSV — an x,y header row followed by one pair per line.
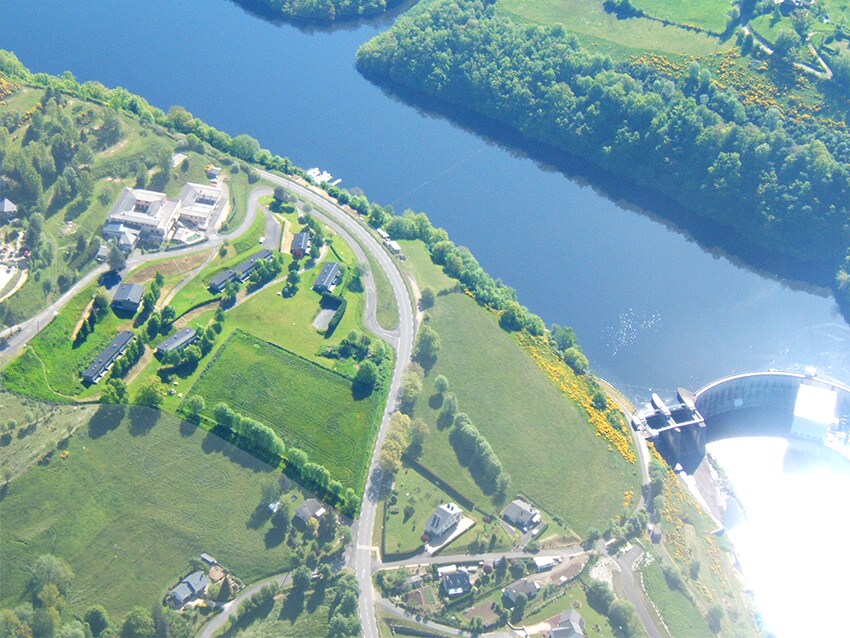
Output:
x,y
142,420
435,401
468,460
274,537
316,600
188,428
216,440
444,420
107,418
293,606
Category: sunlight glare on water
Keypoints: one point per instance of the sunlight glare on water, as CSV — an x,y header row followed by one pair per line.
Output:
x,y
792,544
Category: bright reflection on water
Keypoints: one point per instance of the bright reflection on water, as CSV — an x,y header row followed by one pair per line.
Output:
x,y
791,546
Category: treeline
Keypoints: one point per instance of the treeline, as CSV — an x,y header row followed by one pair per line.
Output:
x,y
474,451
264,443
320,10
781,183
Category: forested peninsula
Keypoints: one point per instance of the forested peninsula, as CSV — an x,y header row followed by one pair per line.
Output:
x,y
320,10
781,184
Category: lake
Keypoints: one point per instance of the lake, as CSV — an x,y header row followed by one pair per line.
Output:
x,y
653,309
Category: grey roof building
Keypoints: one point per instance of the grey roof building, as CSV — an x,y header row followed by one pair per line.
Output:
x,y
328,278
190,587
300,245
456,584
524,586
177,341
521,513
220,281
311,508
240,272
570,625
7,209
128,297
101,365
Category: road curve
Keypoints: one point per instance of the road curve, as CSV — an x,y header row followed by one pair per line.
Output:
x,y
218,621
403,344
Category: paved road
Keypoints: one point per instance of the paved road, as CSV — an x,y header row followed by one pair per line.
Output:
x,y
402,341
563,552
218,621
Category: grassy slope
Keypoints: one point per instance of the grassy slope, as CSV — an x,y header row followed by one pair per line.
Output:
x,y
148,496
679,613
706,14
539,435
603,32
575,595
309,406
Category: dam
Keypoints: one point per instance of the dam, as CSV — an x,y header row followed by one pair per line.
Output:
x,y
812,412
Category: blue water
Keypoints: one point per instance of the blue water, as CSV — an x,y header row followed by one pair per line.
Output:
x,y
653,309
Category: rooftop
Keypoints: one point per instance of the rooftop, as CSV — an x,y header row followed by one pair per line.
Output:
x,y
107,356
177,340
129,293
328,277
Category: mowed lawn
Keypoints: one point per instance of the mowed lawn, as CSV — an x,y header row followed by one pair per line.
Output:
x,y
706,14
139,496
545,443
310,406
603,32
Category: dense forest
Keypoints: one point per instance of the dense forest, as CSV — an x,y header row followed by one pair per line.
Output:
x,y
781,184
320,10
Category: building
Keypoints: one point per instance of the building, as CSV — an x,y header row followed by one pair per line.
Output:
x,y
128,297
311,508
521,514
213,172
193,586
455,584
102,254
524,586
8,210
149,212
123,236
197,204
329,278
545,563
570,625
300,245
209,560
177,341
444,518
96,371
240,272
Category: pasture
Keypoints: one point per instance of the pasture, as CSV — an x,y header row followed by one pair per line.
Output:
x,y
309,406
603,32
149,494
705,14
677,610
543,440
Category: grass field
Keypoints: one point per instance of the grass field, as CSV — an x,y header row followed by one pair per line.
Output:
x,y
294,615
149,494
706,14
311,407
387,310
536,431
603,32
403,533
49,368
574,598
679,613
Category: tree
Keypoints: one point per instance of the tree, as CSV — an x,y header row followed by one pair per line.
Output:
x,y
50,597
519,607
427,346
715,615
282,519
366,377
138,624
49,569
245,147
622,616
195,405
97,619
151,393
600,596
281,195
301,578
441,384
428,298
116,258
787,44
115,391
411,389
45,622
841,69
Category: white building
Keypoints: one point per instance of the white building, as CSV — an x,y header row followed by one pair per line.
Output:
x,y
149,212
197,204
443,519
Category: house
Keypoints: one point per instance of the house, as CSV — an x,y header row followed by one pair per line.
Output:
x,y
244,270
456,584
570,625
444,518
328,278
177,341
123,236
524,586
220,281
102,253
311,508
128,297
193,586
96,371
209,560
521,514
8,210
300,245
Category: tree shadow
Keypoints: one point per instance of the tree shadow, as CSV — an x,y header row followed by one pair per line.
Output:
x,y
435,401
142,420
444,420
105,419
188,428
274,537
259,516
316,599
293,606
360,391
466,458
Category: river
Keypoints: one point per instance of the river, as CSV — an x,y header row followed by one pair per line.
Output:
x,y
653,308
